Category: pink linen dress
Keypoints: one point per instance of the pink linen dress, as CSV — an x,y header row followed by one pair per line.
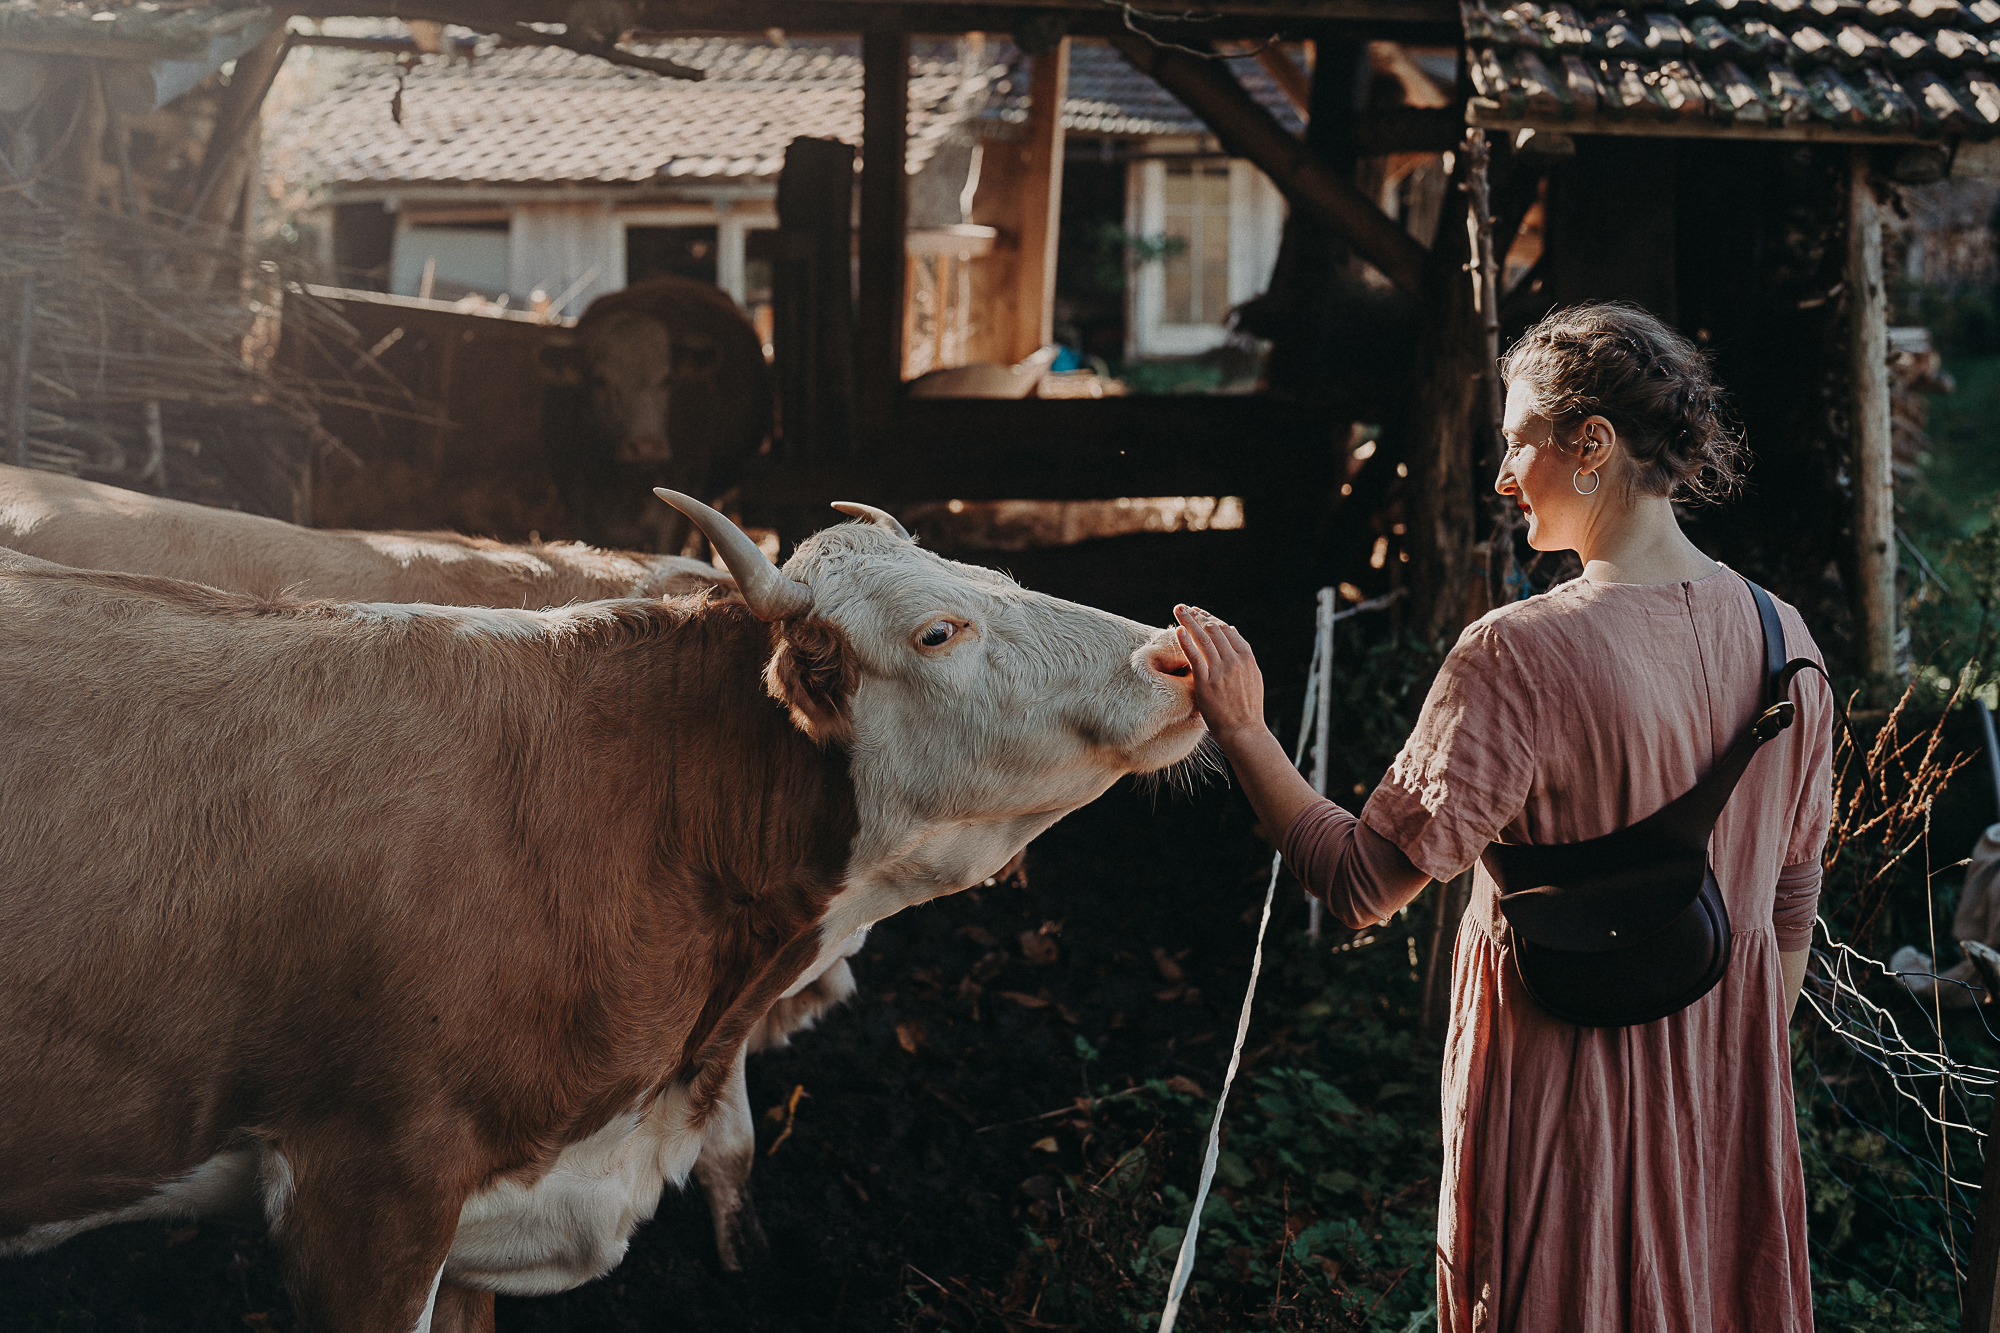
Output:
x,y
1633,1180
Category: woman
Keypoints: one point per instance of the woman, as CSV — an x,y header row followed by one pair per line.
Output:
x,y
1595,1179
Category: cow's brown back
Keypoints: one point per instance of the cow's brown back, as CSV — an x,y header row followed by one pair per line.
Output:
x,y
91,526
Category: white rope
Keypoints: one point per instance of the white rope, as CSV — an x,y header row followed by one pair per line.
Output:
x,y
1184,1265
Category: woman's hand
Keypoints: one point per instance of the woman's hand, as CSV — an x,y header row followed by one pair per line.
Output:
x,y
1229,691
1228,687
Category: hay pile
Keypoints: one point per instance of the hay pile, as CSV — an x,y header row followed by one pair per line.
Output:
x,y
150,342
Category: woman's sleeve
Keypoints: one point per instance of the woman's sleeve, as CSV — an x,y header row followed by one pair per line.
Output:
x,y
1797,902
1465,772
1360,875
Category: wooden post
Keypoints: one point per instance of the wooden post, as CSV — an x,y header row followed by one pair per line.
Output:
x,y
812,313
1873,478
1322,720
1447,401
885,110
1041,203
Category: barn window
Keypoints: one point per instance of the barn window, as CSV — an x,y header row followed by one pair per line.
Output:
x,y
450,260
1205,235
1195,201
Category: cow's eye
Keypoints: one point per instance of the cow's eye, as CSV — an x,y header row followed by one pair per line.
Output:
x,y
937,634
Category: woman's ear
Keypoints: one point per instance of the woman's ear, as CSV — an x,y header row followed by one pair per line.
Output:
x,y
812,673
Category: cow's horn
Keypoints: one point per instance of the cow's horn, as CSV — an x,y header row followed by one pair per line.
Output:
x,y
770,594
881,518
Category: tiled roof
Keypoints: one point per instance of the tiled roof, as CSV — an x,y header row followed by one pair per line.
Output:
x,y
1783,68
1108,96
545,116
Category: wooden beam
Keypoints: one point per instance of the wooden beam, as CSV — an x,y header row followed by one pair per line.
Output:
x,y
1236,17
1247,130
1292,81
1868,443
1485,115
1040,203
242,103
878,341
1383,130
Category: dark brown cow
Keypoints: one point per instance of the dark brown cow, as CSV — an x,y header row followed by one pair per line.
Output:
x,y
661,384
437,933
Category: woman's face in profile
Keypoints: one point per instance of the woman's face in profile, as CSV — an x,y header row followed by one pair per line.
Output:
x,y
1543,478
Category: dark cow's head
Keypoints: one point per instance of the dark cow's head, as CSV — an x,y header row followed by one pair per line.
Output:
x,y
631,366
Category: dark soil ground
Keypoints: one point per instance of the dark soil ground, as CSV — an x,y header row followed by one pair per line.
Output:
x,y
909,1147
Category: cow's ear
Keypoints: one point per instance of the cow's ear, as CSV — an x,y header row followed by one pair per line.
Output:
x,y
561,359
812,673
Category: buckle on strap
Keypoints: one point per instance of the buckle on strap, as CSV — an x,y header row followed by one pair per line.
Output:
x,y
1773,720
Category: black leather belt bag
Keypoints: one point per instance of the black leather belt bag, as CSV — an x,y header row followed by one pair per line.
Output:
x,y
1631,927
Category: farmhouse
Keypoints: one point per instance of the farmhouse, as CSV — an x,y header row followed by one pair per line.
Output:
x,y
546,177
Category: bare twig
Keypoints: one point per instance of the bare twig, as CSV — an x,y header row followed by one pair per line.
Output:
x,y
527,36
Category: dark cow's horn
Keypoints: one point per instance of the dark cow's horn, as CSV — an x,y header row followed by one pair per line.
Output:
x,y
770,594
881,518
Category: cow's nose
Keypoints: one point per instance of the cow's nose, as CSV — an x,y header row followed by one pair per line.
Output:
x,y
644,449
1168,660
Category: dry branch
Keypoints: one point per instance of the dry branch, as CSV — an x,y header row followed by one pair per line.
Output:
x,y
132,312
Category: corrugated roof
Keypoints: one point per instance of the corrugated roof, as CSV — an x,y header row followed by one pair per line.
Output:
x,y
545,116
1891,69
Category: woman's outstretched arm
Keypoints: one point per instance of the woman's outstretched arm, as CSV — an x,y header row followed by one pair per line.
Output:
x,y
1361,875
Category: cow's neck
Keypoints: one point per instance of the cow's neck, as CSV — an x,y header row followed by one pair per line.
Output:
x,y
747,826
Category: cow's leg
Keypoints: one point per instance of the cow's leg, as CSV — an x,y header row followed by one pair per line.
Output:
x,y
462,1310
363,1242
727,1151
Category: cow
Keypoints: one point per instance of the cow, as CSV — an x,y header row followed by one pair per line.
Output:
x,y
92,526
434,935
661,384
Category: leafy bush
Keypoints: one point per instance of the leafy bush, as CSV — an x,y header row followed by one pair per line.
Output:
x,y
1324,1209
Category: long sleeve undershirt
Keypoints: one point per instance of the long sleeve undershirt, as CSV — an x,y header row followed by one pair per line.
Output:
x,y
1360,875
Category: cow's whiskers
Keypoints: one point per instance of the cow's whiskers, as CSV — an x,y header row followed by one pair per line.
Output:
x,y
1201,763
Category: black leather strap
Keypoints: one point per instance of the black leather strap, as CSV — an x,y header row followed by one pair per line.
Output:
x,y
1774,644
1591,895
1778,672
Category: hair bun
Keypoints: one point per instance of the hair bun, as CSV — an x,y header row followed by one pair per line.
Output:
x,y
1619,361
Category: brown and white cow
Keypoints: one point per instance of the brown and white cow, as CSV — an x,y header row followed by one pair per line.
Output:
x,y
437,933
92,526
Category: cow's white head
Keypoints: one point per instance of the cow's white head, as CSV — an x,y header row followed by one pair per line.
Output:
x,y
976,713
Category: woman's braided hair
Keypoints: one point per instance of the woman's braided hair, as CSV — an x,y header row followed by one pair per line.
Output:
x,y
1618,361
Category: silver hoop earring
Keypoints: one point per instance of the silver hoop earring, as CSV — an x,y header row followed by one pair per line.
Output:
x,y
1596,480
